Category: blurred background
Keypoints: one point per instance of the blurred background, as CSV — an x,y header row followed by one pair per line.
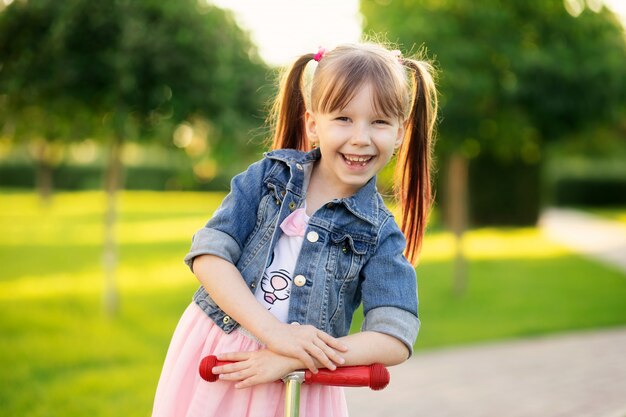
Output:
x,y
122,123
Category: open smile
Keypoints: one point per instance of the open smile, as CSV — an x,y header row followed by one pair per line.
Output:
x,y
357,160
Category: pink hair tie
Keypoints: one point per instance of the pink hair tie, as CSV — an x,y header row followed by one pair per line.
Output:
x,y
320,54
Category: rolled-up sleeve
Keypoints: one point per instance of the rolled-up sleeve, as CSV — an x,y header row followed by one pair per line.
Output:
x,y
212,242
389,289
226,232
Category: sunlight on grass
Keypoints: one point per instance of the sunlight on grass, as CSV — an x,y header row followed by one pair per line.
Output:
x,y
148,231
152,217
144,217
69,235
162,275
148,218
527,243
58,346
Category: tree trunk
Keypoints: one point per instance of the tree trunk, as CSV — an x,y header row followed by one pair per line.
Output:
x,y
112,182
457,209
44,174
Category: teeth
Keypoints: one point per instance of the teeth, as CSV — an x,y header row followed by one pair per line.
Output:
x,y
355,158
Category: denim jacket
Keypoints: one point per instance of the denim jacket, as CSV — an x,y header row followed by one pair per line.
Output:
x,y
352,251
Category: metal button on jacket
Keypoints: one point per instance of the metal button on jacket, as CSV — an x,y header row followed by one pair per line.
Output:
x,y
312,237
226,320
299,280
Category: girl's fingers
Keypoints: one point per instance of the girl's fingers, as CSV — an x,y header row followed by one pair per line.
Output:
x,y
246,383
319,354
331,354
233,356
332,342
236,376
308,362
239,362
230,368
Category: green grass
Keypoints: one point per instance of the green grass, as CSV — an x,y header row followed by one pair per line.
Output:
x,y
60,356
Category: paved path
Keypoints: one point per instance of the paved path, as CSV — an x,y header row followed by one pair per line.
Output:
x,y
601,239
573,375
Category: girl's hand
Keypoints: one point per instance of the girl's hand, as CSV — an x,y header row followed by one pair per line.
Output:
x,y
252,368
307,344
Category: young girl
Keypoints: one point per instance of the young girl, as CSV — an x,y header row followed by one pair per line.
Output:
x,y
304,238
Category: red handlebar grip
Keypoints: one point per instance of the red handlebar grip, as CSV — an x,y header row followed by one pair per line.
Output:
x,y
206,367
375,376
379,377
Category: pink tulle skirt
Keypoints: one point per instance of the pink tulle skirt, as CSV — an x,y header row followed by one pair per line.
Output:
x,y
182,393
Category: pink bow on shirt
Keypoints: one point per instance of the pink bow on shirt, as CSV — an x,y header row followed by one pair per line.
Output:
x,y
295,224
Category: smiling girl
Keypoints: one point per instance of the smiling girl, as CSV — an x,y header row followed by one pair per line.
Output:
x,y
304,238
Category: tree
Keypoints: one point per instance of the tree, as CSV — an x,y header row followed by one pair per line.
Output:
x,y
513,75
134,69
34,107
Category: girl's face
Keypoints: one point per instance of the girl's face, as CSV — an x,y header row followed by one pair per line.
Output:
x,y
356,142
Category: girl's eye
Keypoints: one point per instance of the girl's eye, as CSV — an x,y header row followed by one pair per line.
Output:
x,y
381,122
342,118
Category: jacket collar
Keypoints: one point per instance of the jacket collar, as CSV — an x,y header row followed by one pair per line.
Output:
x,y
363,204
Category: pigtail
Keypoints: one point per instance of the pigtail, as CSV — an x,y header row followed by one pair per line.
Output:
x,y
412,174
289,109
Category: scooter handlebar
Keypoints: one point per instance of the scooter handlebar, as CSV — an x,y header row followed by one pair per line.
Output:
x,y
206,367
375,376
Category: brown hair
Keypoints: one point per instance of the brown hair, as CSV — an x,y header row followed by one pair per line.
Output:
x,y
403,88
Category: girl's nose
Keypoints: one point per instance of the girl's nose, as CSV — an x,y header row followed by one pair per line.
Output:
x,y
361,136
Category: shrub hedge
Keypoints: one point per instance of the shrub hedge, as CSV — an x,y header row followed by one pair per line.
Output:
x,y
499,193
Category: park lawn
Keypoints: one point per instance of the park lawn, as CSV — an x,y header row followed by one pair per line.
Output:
x,y
60,355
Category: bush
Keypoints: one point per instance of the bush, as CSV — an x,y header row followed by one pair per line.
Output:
x,y
586,181
89,177
590,192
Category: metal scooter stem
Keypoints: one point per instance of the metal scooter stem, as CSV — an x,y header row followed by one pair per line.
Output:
x,y
293,381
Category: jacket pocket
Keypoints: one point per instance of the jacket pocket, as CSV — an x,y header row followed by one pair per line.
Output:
x,y
345,256
345,260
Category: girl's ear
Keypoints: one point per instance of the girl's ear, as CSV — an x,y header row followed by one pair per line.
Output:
x,y
311,127
400,134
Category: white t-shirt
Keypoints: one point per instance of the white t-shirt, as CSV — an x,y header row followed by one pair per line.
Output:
x,y
275,288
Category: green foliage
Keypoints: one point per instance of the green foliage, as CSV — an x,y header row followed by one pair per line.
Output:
x,y
513,76
512,73
60,356
89,177
503,192
131,68
583,180
591,192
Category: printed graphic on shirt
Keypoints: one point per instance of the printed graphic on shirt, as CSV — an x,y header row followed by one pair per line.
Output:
x,y
275,286
274,291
